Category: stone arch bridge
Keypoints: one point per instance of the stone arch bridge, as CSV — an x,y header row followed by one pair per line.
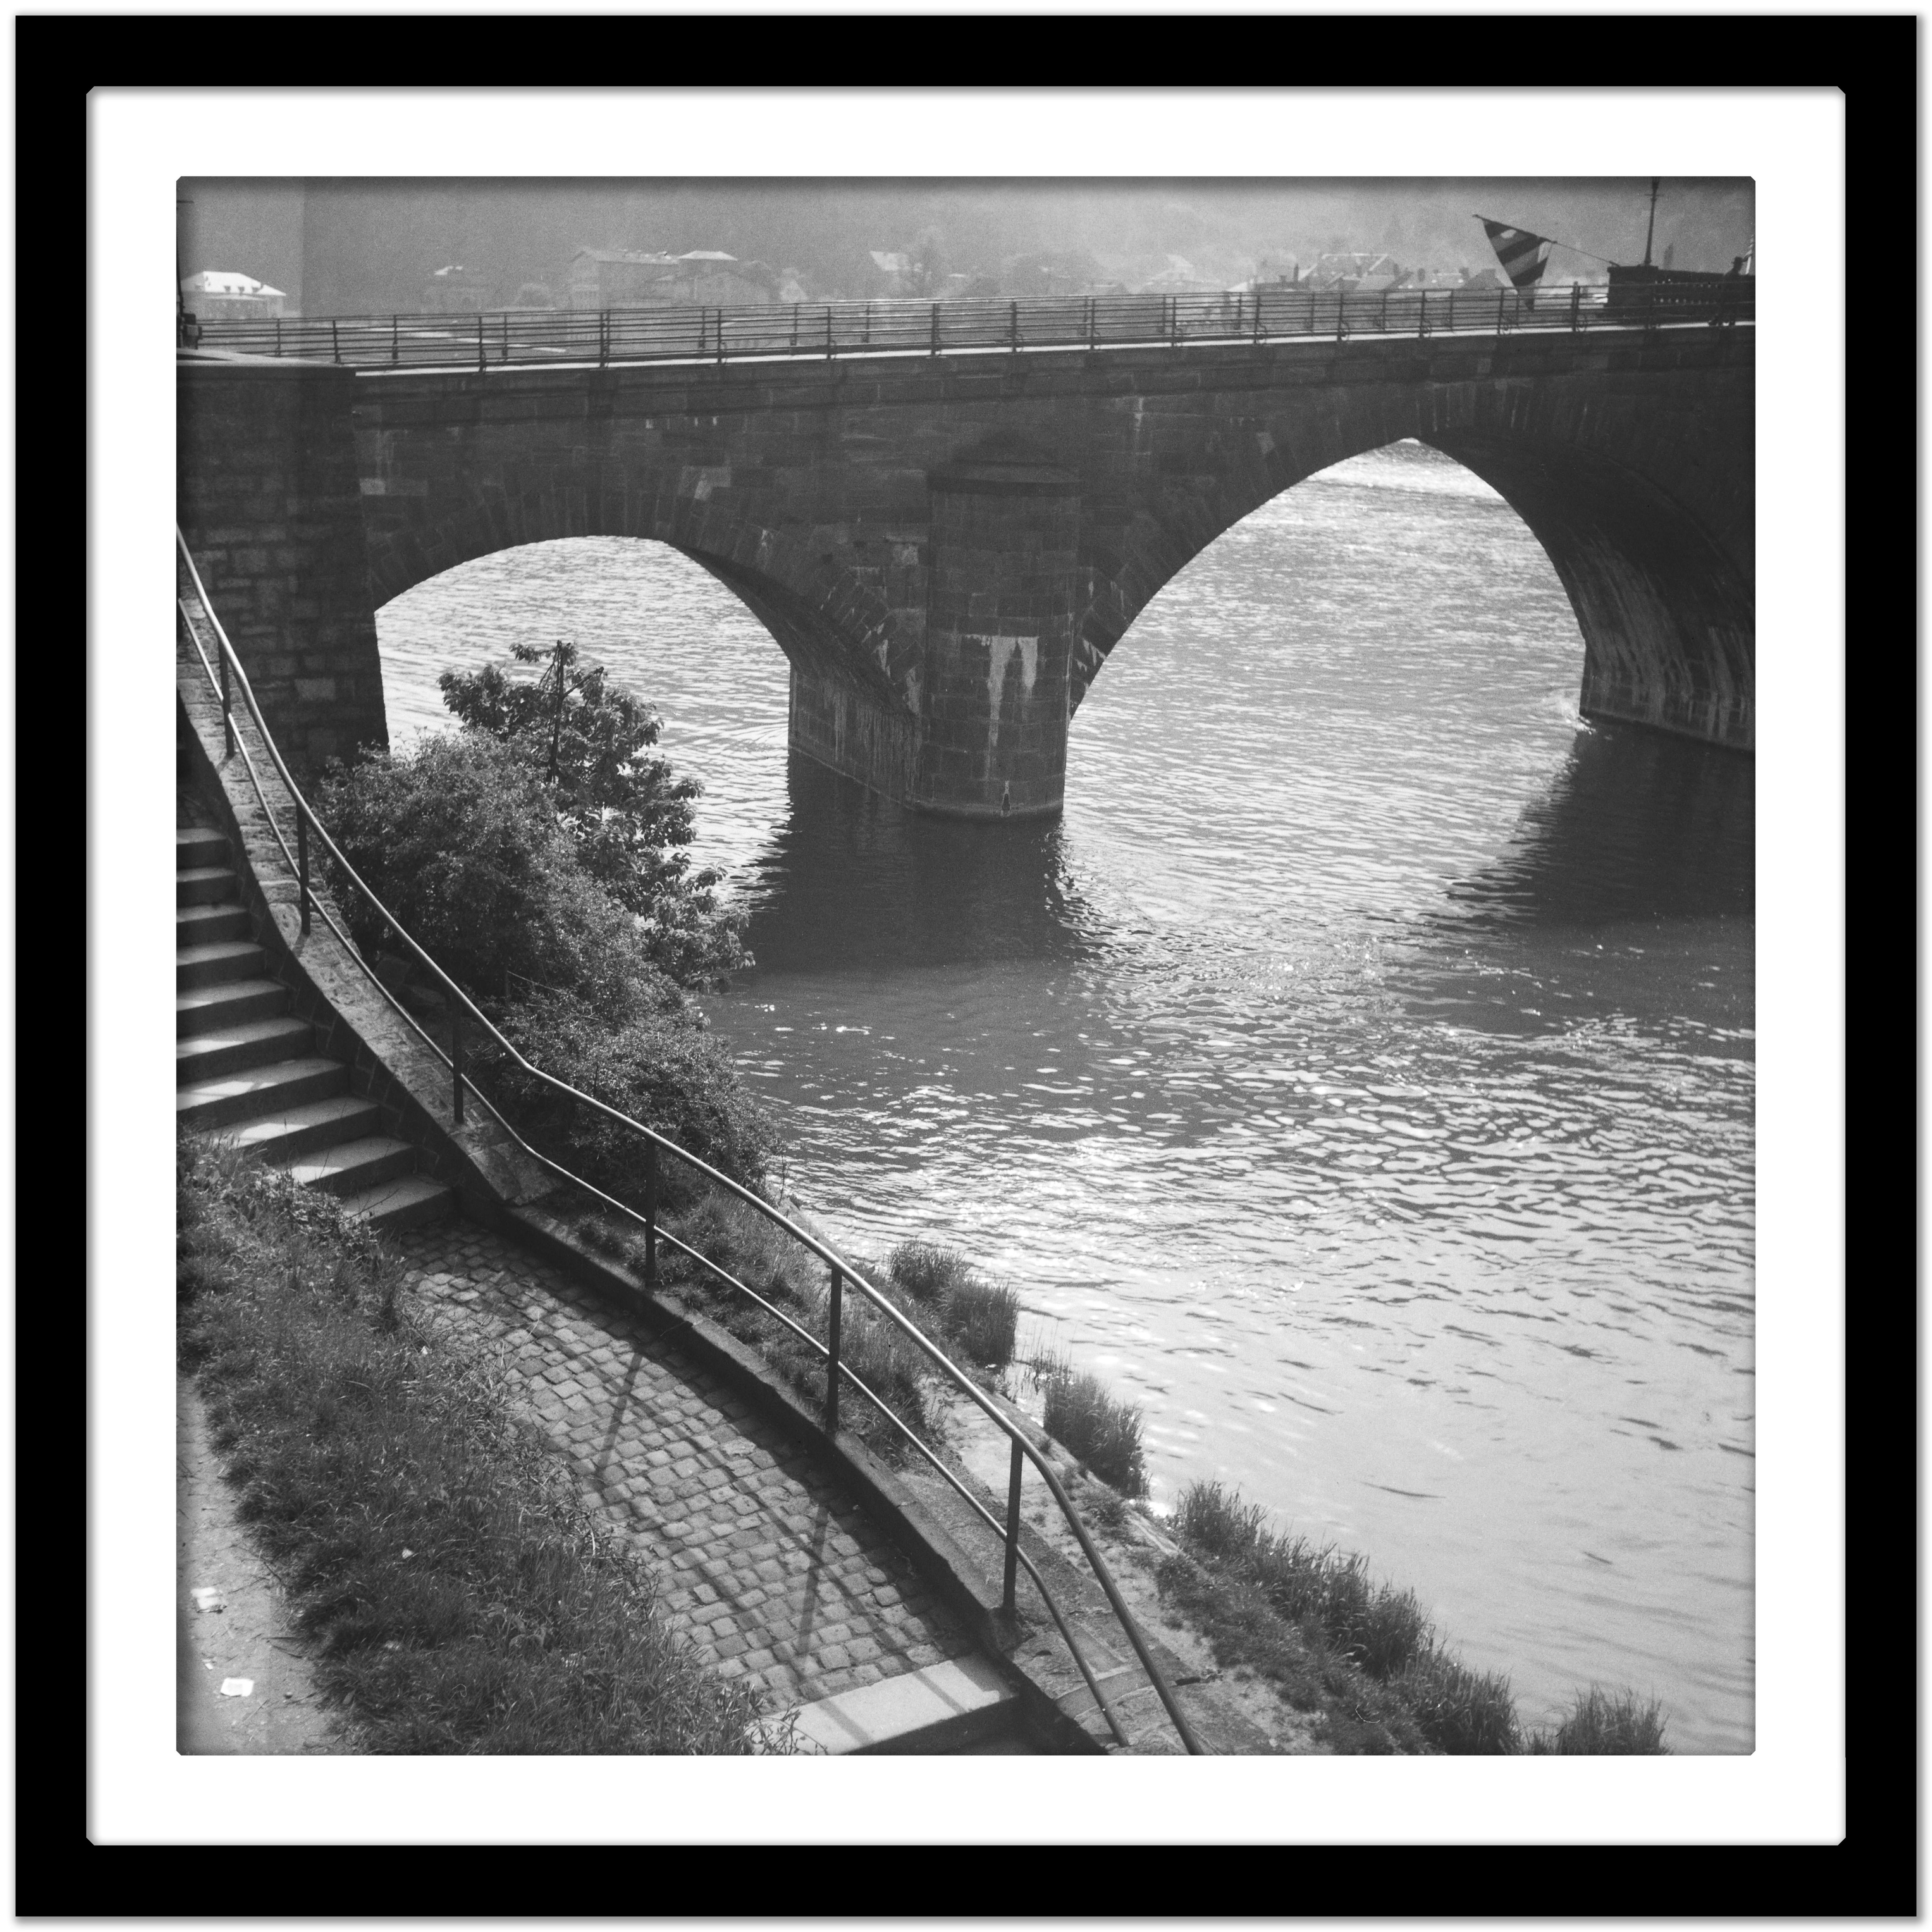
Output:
x,y
948,548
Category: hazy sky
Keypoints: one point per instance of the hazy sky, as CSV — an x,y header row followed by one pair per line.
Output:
x,y
351,245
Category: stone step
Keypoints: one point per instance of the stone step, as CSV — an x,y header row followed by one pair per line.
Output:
x,y
946,1708
285,1133
208,1009
202,925
212,965
401,1204
198,845
235,1097
203,1056
205,885
356,1166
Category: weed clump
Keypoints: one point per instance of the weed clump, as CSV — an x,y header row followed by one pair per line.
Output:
x,y
982,1318
1603,1723
1100,1429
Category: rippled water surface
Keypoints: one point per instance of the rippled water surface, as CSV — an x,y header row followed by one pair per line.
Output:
x,y
1360,1075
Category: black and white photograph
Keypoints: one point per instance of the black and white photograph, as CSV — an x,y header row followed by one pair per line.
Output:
x,y
966,961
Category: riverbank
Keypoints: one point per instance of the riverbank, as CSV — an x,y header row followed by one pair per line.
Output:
x,y
1316,1654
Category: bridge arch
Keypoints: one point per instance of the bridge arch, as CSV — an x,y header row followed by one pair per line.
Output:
x,y
828,622
1660,579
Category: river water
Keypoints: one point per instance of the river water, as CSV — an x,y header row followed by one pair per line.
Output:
x,y
1359,1076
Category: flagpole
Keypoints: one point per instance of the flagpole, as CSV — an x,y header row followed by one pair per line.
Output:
x,y
1652,230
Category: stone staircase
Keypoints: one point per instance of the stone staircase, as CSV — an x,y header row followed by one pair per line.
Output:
x,y
246,1068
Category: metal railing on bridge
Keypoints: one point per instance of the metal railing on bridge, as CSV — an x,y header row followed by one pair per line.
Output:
x,y
227,680
550,336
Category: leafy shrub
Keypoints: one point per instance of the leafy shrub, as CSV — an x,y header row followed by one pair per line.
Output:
x,y
660,1068
587,740
458,839
1605,1724
1100,1430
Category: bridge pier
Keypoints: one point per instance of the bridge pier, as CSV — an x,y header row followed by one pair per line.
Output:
x,y
978,727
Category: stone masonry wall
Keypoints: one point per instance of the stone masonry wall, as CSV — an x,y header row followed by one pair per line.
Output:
x,y
268,501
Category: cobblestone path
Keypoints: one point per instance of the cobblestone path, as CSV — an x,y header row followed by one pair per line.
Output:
x,y
774,1573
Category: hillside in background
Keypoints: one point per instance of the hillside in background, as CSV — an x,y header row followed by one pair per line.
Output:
x,y
348,246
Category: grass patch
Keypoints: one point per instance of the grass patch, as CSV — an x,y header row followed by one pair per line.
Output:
x,y
1260,1592
1098,1429
1605,1723
981,1319
462,1598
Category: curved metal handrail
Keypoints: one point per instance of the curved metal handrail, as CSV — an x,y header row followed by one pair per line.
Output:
x,y
655,1142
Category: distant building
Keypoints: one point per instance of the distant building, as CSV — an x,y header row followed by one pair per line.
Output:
x,y
1363,271
453,290
603,278
219,294
1180,277
892,273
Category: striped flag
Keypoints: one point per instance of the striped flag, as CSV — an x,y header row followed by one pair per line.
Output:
x,y
1522,254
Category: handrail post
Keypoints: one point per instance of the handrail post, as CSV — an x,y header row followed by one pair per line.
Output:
x,y
1093,322
828,332
395,339
456,1061
1452,311
482,347
334,340
1500,299
1383,330
227,718
1576,306
935,329
1016,328
794,327
1013,1529
865,328
720,335
832,1354
301,866
278,335
506,336
651,1216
